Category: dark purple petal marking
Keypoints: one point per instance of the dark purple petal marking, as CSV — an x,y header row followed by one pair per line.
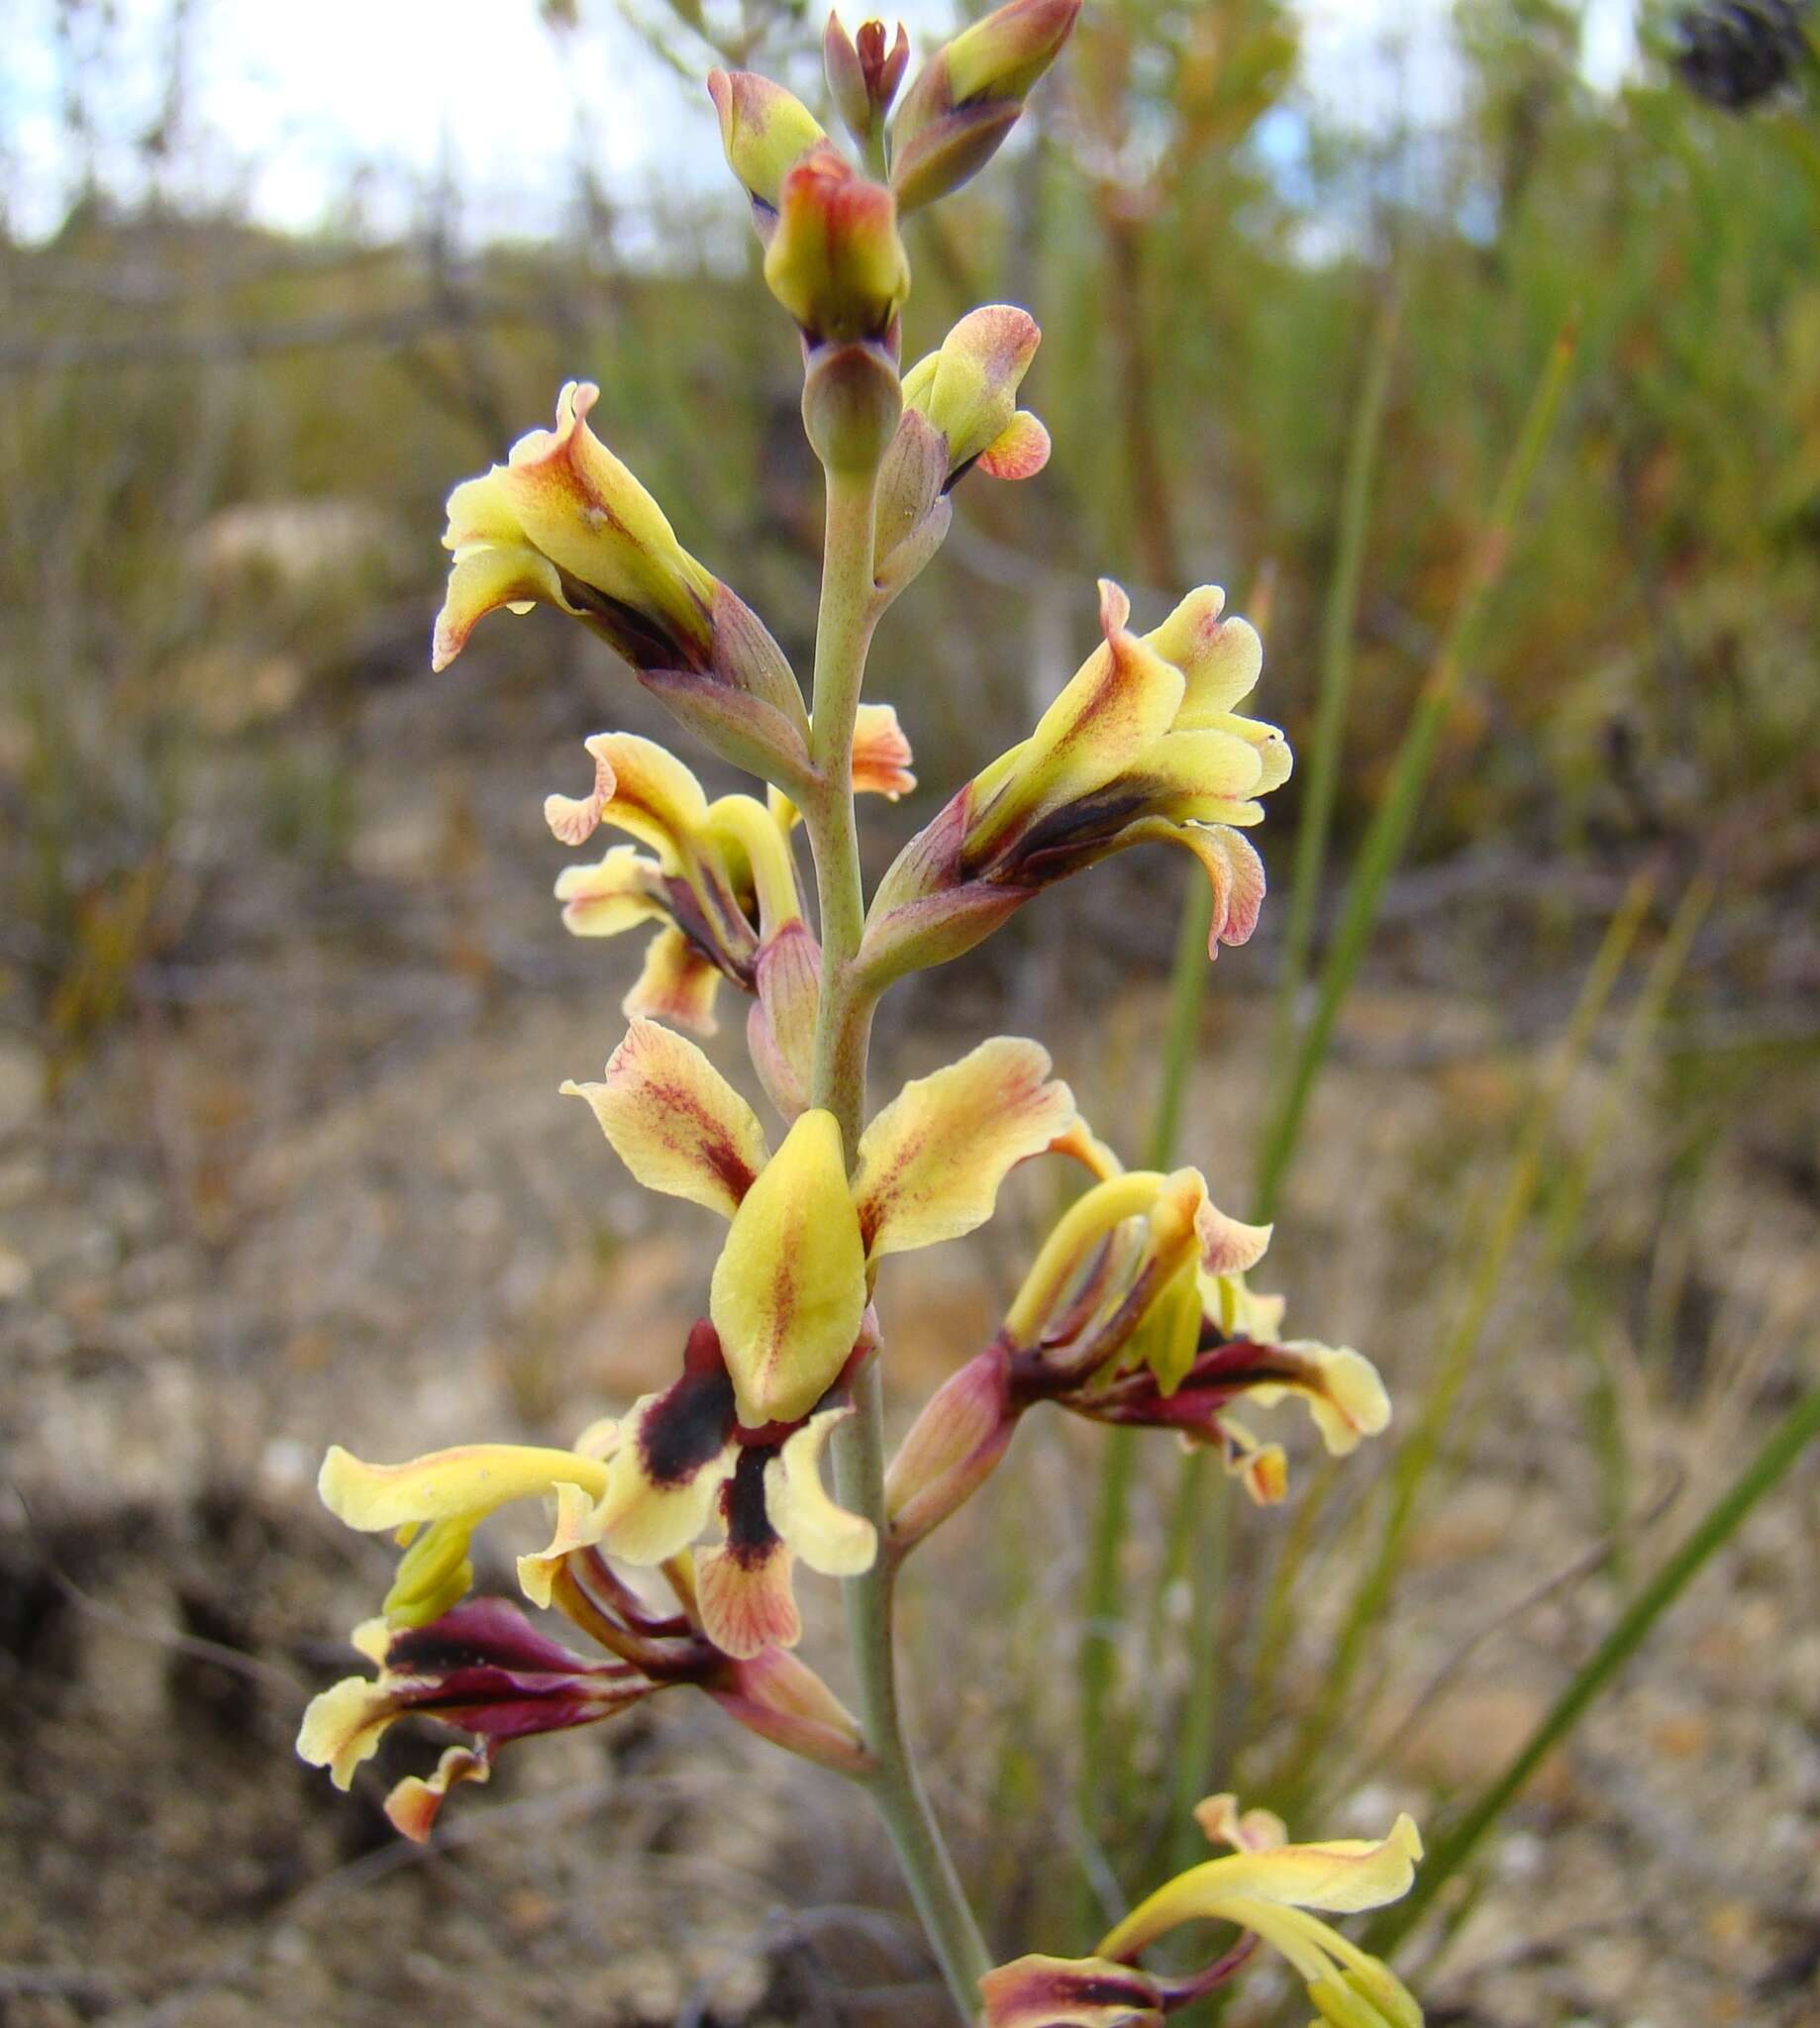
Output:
x,y
687,1427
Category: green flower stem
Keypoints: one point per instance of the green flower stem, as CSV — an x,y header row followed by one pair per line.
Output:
x,y
843,632
1716,1527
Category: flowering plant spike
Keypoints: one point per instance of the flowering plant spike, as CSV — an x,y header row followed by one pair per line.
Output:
x,y
677,1521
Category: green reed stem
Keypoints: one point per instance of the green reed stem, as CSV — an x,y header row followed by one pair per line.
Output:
x,y
1416,1456
843,636
1200,1494
1321,771
1388,831
1717,1526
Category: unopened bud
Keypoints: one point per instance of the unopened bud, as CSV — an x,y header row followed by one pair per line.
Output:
x,y
863,72
835,260
765,131
968,97
780,1028
851,405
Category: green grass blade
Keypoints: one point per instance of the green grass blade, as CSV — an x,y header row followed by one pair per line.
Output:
x,y
1452,1849
1103,1597
1416,1454
1390,825
1321,771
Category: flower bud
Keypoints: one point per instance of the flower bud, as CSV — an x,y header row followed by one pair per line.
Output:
x,y
835,260
851,403
785,1701
953,1447
863,73
765,131
968,97
781,1029
1071,1992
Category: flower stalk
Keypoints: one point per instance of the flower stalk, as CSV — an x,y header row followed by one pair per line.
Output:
x,y
848,614
1135,1313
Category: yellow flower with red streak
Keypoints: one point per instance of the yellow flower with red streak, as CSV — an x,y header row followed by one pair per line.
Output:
x,y
1266,1890
1143,745
564,523
482,1667
1136,1313
739,1434
795,1275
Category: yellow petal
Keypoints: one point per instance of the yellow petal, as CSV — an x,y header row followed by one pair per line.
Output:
x,y
664,1479
932,1161
1205,778
572,821
1223,1823
651,796
1232,866
675,1121
1020,450
579,1525
1228,1245
677,984
747,1601
881,753
616,893
1343,1877
469,1481
1261,1468
1221,658
584,510
789,1286
824,1535
1343,1390
764,130
968,389
341,1727
411,1808
835,262
481,582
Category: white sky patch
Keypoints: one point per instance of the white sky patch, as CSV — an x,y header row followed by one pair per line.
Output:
x,y
300,113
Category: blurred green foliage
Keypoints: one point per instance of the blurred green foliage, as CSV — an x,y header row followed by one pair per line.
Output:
x,y
222,452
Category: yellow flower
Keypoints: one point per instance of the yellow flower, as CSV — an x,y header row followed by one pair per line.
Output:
x,y
482,1667
1266,1887
1143,745
564,523
794,1277
720,881
1135,1313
